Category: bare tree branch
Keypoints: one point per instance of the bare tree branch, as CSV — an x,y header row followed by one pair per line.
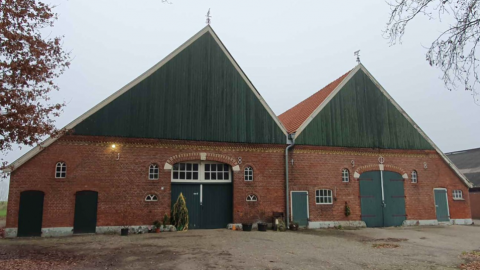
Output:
x,y
455,50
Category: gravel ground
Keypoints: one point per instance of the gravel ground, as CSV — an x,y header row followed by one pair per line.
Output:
x,y
389,248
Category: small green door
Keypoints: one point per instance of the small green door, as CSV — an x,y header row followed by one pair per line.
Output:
x,y
371,199
394,209
30,213
300,207
191,192
441,205
85,219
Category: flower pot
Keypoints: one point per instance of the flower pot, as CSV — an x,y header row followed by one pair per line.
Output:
x,y
247,227
262,227
293,227
124,232
157,230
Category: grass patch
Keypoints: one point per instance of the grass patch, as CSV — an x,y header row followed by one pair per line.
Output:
x,y
3,213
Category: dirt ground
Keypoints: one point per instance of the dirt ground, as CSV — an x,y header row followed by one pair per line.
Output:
x,y
388,248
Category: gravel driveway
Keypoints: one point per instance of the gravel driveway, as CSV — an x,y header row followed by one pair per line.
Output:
x,y
389,248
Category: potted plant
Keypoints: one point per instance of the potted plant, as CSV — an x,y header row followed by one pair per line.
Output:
x,y
262,226
246,227
156,225
294,226
125,227
165,222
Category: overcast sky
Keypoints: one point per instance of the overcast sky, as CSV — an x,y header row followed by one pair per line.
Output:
x,y
288,49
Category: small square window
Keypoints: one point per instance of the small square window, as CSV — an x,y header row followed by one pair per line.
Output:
x,y
153,172
457,195
323,196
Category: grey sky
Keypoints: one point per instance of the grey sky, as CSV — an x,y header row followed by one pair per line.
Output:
x,y
288,49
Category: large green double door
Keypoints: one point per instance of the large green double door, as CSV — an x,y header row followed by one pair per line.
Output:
x,y
209,206
382,198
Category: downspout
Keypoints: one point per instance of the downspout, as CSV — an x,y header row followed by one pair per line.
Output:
x,y
287,204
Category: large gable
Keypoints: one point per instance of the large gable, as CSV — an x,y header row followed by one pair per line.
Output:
x,y
198,92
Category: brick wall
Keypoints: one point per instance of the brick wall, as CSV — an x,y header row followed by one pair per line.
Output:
x,y
123,184
321,168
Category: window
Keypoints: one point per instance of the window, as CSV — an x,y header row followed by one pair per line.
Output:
x,y
414,176
61,170
153,172
201,171
185,171
345,175
217,172
457,195
323,196
248,173
252,198
151,198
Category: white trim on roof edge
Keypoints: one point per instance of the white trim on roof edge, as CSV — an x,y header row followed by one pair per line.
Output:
x,y
37,149
340,86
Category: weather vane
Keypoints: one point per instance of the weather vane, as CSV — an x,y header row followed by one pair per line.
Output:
x,y
208,17
357,54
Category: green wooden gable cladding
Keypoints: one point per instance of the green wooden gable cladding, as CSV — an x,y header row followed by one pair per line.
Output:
x,y
197,95
360,115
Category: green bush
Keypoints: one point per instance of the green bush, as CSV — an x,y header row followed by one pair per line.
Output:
x,y
180,214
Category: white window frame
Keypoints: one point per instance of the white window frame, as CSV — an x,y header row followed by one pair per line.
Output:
x,y
414,179
329,195
151,198
252,198
201,173
153,166
58,166
345,175
247,173
457,194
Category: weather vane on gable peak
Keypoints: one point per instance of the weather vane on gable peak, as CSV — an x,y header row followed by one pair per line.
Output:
x,y
208,17
357,54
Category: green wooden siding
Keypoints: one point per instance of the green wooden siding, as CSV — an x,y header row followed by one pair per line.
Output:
x,y
197,95
360,115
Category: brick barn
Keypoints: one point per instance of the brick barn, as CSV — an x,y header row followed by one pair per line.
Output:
x,y
194,123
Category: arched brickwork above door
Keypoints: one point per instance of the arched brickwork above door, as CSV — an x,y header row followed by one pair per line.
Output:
x,y
379,167
202,156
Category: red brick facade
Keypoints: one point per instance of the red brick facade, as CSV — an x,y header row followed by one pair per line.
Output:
x,y
123,184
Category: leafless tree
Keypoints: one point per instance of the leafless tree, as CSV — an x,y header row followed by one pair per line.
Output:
x,y
454,51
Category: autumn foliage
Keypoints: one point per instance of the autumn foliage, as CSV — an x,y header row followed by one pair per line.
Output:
x,y
30,61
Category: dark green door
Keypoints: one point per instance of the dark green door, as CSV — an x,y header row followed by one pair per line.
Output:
x,y
371,199
217,208
85,220
209,206
441,205
390,212
191,192
300,207
394,209
30,213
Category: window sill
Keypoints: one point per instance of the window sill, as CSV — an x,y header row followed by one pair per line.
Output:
x,y
462,199
324,203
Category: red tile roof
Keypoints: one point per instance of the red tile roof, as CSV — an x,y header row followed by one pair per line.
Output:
x,y
294,118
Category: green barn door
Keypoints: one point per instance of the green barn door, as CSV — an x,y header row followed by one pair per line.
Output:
x,y
300,207
191,192
441,205
216,205
85,220
371,199
30,213
394,192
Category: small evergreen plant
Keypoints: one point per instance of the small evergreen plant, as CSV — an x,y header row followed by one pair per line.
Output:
x,y
180,214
